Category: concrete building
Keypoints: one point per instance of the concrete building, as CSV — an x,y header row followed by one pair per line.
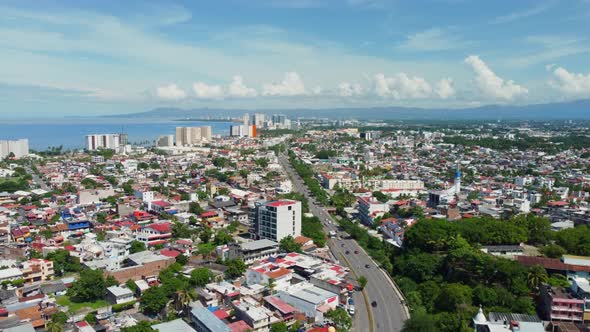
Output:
x,y
205,321
370,208
105,141
186,136
37,270
557,304
276,220
311,301
165,141
20,148
118,295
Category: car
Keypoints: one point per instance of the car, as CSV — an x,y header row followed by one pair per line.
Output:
x,y
374,304
356,251
351,310
347,252
342,244
367,266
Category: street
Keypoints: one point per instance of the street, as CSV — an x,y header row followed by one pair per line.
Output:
x,y
388,314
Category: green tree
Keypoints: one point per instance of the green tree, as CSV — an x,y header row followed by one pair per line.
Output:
x,y
222,238
89,287
420,322
279,327
362,280
180,230
235,268
195,208
153,300
141,326
341,319
553,250
536,276
453,297
201,276
288,244
205,235
63,262
137,246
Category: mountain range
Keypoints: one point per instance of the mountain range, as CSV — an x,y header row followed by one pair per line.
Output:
x,y
571,110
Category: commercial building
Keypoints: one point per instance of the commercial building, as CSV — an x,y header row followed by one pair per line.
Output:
x,y
20,148
312,301
105,141
276,220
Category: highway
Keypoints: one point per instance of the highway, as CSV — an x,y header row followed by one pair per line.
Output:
x,y
388,315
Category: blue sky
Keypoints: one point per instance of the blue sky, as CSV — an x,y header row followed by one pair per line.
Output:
x,y
85,58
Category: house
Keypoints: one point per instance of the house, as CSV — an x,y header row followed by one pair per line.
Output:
x,y
153,234
253,250
205,321
259,318
311,301
10,274
117,295
506,322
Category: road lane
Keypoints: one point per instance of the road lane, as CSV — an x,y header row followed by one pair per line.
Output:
x,y
388,315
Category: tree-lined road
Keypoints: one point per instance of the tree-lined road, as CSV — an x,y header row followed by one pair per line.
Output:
x,y
388,314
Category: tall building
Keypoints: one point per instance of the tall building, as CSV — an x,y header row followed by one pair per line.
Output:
x,y
165,140
276,220
192,135
20,148
246,120
105,141
258,120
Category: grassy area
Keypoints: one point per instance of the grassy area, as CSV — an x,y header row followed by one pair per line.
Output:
x,y
74,306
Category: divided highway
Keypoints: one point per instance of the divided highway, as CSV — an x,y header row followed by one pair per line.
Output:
x,y
384,303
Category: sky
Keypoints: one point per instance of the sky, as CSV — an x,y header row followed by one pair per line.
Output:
x,y
62,58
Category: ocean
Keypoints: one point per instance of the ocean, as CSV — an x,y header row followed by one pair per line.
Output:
x,y
71,132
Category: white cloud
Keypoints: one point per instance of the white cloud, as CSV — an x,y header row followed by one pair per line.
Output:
x,y
444,88
573,84
346,89
292,85
490,84
237,88
205,91
515,16
402,86
170,92
435,39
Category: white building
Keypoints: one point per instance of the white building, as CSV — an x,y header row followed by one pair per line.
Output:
x,y
277,219
105,141
186,136
165,140
309,300
20,148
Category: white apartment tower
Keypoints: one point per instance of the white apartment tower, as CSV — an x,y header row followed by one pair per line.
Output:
x,y
277,219
20,148
105,141
192,135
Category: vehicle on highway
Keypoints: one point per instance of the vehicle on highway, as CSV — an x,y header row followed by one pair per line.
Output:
x,y
351,310
367,266
347,252
333,235
342,244
356,251
374,304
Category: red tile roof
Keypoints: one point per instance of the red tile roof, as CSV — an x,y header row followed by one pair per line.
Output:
x,y
280,203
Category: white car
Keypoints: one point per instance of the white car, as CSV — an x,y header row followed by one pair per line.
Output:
x,y
351,310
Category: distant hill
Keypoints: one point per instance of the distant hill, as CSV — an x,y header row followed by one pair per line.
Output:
x,y
572,110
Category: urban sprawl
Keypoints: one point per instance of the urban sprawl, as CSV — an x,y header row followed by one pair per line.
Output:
x,y
301,225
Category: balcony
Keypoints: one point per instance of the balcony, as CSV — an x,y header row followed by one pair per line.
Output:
x,y
567,308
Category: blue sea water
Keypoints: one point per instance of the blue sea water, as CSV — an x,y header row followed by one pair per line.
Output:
x,y
71,132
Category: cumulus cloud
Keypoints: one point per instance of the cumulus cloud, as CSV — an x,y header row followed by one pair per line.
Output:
x,y
205,91
490,84
346,89
574,84
444,88
170,92
402,86
237,88
292,85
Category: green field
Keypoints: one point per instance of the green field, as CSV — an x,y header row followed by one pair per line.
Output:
x,y
74,306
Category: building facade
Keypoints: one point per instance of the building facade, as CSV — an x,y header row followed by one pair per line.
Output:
x,y
20,148
277,219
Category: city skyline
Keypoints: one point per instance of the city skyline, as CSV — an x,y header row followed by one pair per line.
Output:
x,y
104,58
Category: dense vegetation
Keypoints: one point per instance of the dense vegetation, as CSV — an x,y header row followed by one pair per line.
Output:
x,y
445,277
551,145
311,182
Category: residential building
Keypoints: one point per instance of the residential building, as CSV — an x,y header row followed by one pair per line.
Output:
x,y
20,148
105,141
370,208
557,304
506,322
187,136
11,273
118,295
205,321
312,301
277,219
37,270
165,141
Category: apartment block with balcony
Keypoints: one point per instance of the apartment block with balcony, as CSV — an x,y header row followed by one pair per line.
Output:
x,y
558,304
37,270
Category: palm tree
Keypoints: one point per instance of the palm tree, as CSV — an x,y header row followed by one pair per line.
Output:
x,y
536,276
183,299
271,285
53,326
